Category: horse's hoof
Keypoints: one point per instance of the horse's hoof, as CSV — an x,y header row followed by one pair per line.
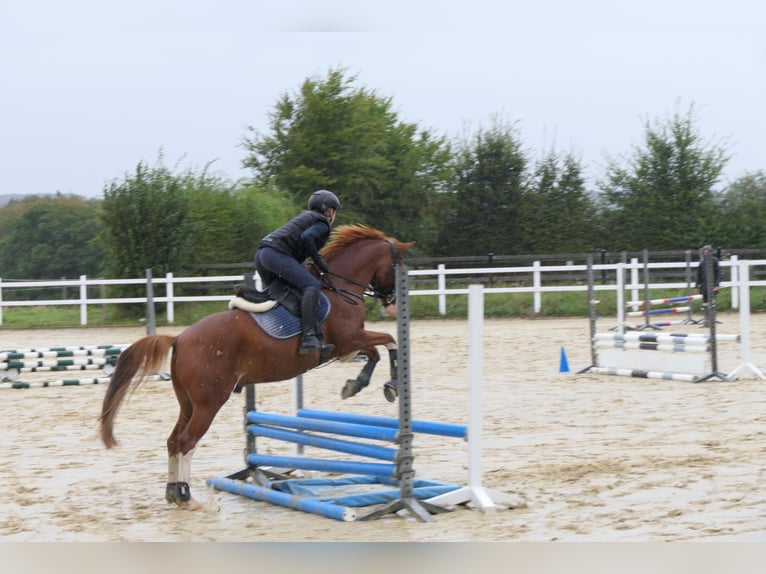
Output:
x,y
390,391
350,389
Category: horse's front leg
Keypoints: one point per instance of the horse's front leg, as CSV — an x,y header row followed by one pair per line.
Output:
x,y
391,387
353,386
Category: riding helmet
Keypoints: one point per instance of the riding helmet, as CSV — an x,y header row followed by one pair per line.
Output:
x,y
322,200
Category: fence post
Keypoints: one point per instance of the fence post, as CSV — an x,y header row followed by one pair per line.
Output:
x,y
83,300
734,291
151,324
537,284
634,279
169,294
441,284
102,295
688,277
620,282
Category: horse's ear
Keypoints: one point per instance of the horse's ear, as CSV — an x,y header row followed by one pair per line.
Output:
x,y
402,247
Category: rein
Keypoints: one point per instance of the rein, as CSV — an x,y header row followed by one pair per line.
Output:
x,y
386,296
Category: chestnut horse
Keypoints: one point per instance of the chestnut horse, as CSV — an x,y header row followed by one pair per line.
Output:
x,y
228,350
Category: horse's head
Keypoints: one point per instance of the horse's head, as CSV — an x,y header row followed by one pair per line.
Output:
x,y
383,281
368,258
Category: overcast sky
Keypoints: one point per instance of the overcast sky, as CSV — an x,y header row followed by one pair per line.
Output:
x,y
88,88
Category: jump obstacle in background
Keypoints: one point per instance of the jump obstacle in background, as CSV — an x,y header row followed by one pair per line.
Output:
x,y
15,362
265,478
667,305
648,312
690,357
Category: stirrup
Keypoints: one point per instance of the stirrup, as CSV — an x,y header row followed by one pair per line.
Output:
x,y
309,344
324,352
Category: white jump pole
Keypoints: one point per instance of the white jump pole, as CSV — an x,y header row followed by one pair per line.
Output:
x,y
475,494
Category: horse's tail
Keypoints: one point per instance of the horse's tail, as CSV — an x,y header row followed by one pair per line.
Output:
x,y
133,365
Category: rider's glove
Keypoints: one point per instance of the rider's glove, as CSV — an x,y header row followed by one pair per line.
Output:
x,y
322,265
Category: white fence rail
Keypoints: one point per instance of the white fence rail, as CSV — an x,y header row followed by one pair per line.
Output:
x,y
538,286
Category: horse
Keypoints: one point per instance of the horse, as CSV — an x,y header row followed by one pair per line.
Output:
x,y
227,350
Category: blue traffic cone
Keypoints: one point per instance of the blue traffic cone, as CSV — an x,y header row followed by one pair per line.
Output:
x,y
563,364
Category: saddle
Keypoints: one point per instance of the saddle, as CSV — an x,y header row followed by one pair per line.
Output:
x,y
277,308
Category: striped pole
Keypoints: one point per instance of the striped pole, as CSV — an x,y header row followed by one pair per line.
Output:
x,y
658,324
59,383
66,382
57,364
665,337
657,311
666,301
47,352
638,373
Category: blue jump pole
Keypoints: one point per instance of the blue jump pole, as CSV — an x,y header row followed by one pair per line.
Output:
x,y
342,466
346,429
425,427
305,504
383,496
368,450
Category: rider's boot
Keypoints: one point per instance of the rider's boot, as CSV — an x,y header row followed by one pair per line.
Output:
x,y
311,338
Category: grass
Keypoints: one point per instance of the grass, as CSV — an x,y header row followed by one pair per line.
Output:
x,y
421,307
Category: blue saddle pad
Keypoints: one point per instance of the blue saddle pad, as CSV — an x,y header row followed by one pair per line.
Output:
x,y
281,324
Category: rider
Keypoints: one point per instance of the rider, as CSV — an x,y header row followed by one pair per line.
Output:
x,y
282,252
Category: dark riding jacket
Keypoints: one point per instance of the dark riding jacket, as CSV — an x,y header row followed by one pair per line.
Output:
x,y
301,237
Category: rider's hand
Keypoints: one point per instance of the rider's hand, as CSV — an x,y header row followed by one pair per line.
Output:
x,y
322,265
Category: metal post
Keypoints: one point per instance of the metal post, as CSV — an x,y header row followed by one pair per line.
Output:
x,y
688,277
298,405
151,323
592,314
405,471
646,287
710,314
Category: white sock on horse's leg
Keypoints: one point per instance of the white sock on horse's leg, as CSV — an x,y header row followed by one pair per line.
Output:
x,y
184,466
173,468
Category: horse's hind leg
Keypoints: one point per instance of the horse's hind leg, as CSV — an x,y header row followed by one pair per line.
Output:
x,y
177,490
184,444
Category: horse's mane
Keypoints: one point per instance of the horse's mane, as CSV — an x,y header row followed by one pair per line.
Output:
x,y
345,235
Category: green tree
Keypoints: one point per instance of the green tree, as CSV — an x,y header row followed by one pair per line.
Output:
x,y
490,171
558,215
741,220
227,222
333,135
146,222
50,238
664,198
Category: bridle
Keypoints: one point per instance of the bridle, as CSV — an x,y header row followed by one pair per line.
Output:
x,y
386,295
